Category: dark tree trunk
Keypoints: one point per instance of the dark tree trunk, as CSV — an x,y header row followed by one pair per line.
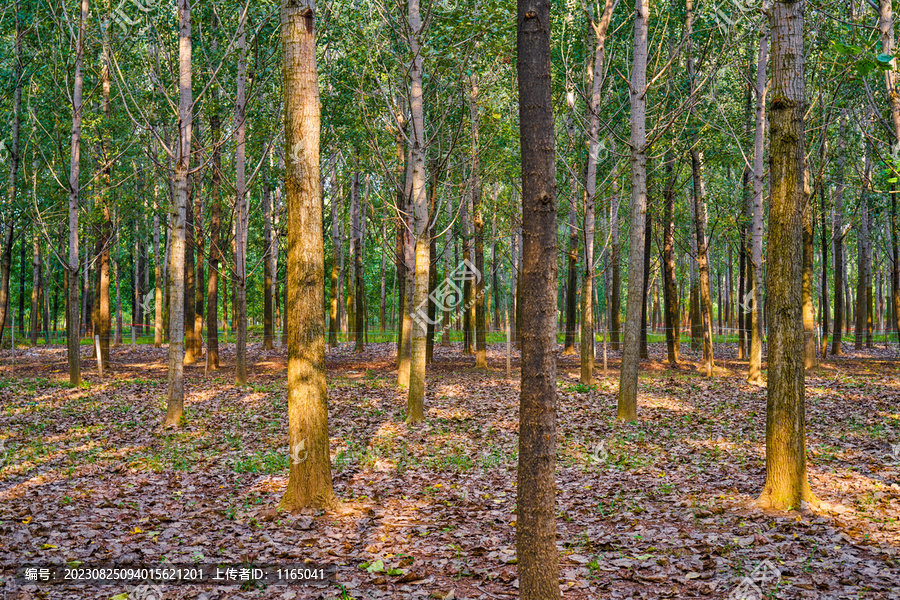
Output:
x,y
536,491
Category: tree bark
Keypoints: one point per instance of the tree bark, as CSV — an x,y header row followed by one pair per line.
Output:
x,y
15,159
837,237
628,380
572,279
415,409
786,484
73,322
536,489
175,407
241,216
671,317
309,482
754,372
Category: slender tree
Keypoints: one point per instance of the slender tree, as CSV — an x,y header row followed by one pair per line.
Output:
x,y
628,379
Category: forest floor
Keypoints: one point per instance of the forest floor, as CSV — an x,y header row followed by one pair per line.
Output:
x,y
661,508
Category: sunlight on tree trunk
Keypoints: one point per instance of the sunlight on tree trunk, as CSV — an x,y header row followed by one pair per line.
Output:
x,y
309,483
787,483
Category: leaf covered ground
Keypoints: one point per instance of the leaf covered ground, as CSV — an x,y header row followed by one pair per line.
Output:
x,y
661,508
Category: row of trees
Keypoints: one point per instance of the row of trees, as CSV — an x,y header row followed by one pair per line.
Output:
x,y
400,141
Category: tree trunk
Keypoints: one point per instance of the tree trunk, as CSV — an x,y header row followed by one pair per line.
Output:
x,y
268,276
615,301
73,327
786,480
862,242
215,239
334,305
309,483
837,237
241,216
892,79
415,409
572,280
14,160
809,317
648,235
628,380
359,309
754,373
35,321
538,566
175,408
673,342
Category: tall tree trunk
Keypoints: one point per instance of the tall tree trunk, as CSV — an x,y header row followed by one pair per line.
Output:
x,y
200,247
786,479
648,236
699,204
382,309
415,409
268,276
215,238
359,310
467,256
73,327
892,79
35,321
241,216
599,30
572,279
15,159
615,301
309,482
628,380
445,336
809,318
862,243
823,282
190,277
175,408
754,373
536,491
334,305
837,237
673,342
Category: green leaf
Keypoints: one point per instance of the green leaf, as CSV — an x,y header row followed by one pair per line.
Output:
x,y
885,58
376,567
864,67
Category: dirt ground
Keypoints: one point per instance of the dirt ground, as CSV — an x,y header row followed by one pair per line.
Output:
x,y
657,509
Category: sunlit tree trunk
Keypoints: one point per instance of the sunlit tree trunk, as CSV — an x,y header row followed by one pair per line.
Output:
x,y
419,206
754,373
309,482
334,305
786,479
538,564
628,378
175,408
